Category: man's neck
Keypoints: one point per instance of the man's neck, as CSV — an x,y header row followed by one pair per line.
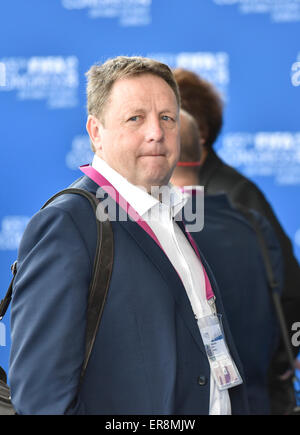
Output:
x,y
204,153
184,178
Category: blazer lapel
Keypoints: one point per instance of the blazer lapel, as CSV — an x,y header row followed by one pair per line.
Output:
x,y
157,256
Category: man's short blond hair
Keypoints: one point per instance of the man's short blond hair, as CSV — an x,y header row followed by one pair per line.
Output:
x,y
100,79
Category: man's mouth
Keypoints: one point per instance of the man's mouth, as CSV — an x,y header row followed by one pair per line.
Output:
x,y
153,155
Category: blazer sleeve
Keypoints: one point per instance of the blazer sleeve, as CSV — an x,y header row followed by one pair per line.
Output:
x,y
48,315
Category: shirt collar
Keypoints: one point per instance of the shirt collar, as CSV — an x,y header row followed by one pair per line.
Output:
x,y
140,200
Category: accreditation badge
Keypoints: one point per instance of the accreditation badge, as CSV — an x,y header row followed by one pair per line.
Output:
x,y
222,365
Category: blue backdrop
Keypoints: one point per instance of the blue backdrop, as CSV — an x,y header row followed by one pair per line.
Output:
x,y
250,49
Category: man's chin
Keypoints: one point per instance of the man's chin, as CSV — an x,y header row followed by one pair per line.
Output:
x,y
153,182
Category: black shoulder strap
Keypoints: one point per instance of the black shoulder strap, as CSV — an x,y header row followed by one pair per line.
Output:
x,y
273,284
103,263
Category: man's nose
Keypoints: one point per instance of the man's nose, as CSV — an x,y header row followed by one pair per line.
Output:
x,y
154,131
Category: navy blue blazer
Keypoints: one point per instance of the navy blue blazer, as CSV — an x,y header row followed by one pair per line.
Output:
x,y
148,354
230,245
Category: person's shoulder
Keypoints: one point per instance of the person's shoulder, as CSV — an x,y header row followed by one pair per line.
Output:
x,y
219,209
69,216
225,178
236,178
67,207
240,188
76,205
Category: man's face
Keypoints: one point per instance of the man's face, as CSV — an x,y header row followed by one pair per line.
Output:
x,y
139,136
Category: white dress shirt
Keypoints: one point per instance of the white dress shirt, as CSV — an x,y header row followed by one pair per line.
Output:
x,y
159,216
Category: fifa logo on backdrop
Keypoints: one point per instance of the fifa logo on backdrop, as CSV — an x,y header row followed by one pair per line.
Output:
x,y
212,66
51,78
269,154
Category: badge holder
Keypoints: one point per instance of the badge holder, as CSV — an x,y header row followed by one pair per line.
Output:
x,y
222,366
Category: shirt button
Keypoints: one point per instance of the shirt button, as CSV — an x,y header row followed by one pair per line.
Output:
x,y
201,380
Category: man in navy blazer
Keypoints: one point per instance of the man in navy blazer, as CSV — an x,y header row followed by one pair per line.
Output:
x,y
148,356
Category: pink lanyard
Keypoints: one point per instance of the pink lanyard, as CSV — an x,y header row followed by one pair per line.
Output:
x,y
94,175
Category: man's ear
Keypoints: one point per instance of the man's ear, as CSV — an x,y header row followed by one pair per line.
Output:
x,y
94,128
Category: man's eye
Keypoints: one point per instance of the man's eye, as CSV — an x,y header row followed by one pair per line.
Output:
x,y
134,118
166,118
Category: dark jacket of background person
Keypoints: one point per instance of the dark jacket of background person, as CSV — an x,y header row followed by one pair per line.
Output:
x,y
231,244
231,248
218,177
203,102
